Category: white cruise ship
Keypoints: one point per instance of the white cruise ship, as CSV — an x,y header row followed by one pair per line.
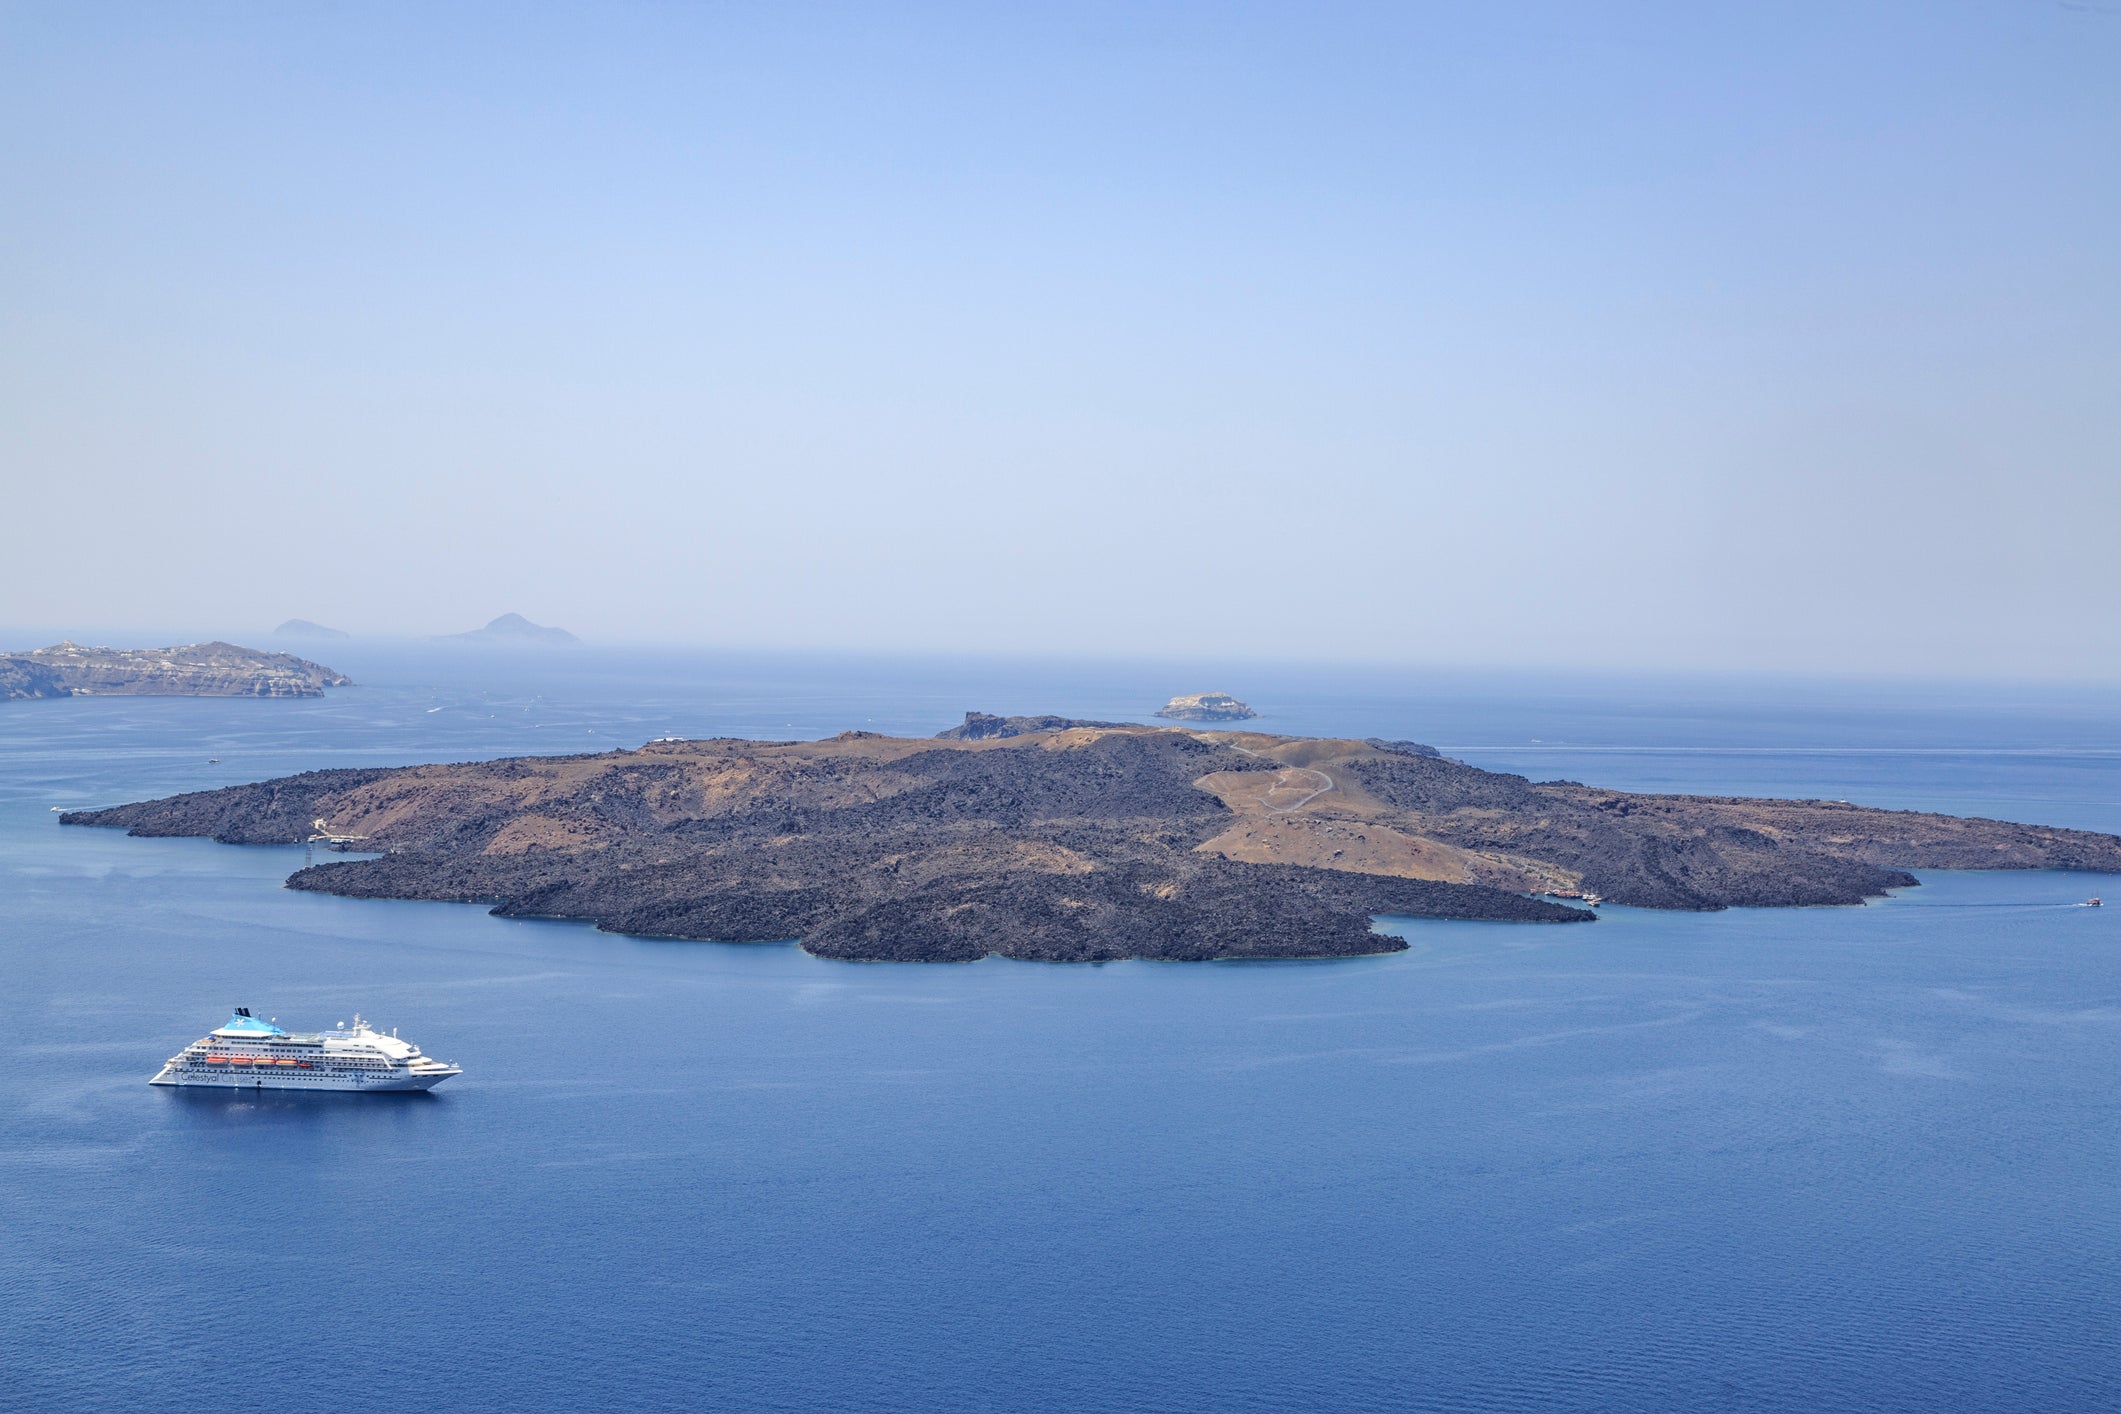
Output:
x,y
250,1054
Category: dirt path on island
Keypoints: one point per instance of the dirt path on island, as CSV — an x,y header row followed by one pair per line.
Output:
x,y
1278,824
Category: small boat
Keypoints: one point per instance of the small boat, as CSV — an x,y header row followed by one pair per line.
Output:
x,y
2092,902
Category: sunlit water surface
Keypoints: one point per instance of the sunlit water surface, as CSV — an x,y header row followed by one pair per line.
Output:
x,y
1759,1160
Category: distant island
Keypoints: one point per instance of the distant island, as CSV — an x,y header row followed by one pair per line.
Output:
x,y
1076,843
192,670
513,630
983,726
303,628
1206,707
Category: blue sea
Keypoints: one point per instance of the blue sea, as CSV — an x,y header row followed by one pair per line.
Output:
x,y
1834,1159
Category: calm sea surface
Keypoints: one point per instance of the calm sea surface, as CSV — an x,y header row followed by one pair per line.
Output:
x,y
1839,1159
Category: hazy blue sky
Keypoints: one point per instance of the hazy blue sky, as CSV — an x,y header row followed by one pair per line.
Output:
x,y
1674,335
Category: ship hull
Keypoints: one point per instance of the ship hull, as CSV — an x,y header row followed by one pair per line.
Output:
x,y
253,1081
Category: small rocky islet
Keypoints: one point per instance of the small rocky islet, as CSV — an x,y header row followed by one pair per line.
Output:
x,y
304,628
1206,707
513,631
1053,839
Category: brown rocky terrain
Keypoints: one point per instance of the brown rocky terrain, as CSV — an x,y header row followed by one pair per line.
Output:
x,y
193,670
1076,843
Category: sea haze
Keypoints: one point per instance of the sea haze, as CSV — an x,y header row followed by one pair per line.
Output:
x,y
1761,1160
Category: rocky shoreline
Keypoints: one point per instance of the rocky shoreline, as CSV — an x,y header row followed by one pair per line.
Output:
x,y
1072,843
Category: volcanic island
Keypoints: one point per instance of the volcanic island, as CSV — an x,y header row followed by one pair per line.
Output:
x,y
192,670
1043,839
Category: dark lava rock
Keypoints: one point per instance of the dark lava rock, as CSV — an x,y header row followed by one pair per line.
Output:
x,y
1401,748
1061,847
